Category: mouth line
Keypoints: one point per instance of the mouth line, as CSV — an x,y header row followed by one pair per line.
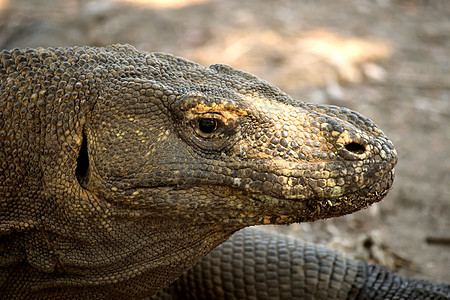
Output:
x,y
278,209
368,194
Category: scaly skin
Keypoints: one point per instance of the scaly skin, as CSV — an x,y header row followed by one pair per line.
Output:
x,y
256,264
121,169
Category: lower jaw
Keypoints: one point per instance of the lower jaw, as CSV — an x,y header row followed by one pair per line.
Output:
x,y
288,211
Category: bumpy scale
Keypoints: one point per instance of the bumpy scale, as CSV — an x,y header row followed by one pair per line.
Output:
x,y
120,169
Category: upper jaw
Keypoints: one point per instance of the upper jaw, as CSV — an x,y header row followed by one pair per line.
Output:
x,y
315,180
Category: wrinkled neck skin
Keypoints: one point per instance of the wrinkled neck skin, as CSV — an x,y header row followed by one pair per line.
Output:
x,y
142,245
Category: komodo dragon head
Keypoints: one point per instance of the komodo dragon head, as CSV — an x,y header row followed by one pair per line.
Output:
x,y
122,168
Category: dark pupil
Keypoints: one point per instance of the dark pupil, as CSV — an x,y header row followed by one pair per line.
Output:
x,y
207,125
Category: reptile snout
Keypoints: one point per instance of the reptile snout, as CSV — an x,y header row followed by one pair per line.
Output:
x,y
333,153
357,138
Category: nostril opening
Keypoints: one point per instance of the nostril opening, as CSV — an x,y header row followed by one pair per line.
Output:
x,y
355,148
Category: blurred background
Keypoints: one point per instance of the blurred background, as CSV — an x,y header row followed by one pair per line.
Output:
x,y
388,59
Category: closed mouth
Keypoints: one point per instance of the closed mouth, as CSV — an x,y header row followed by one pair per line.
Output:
x,y
306,210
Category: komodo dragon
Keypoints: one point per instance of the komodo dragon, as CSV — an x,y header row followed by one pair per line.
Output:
x,y
121,169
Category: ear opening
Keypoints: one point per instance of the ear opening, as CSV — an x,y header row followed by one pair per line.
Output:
x,y
82,169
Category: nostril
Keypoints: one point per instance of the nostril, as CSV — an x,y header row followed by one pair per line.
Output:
x,y
355,148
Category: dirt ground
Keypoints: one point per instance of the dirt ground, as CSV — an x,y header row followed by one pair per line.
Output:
x,y
388,59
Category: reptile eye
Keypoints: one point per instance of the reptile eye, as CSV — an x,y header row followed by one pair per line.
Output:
x,y
207,125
